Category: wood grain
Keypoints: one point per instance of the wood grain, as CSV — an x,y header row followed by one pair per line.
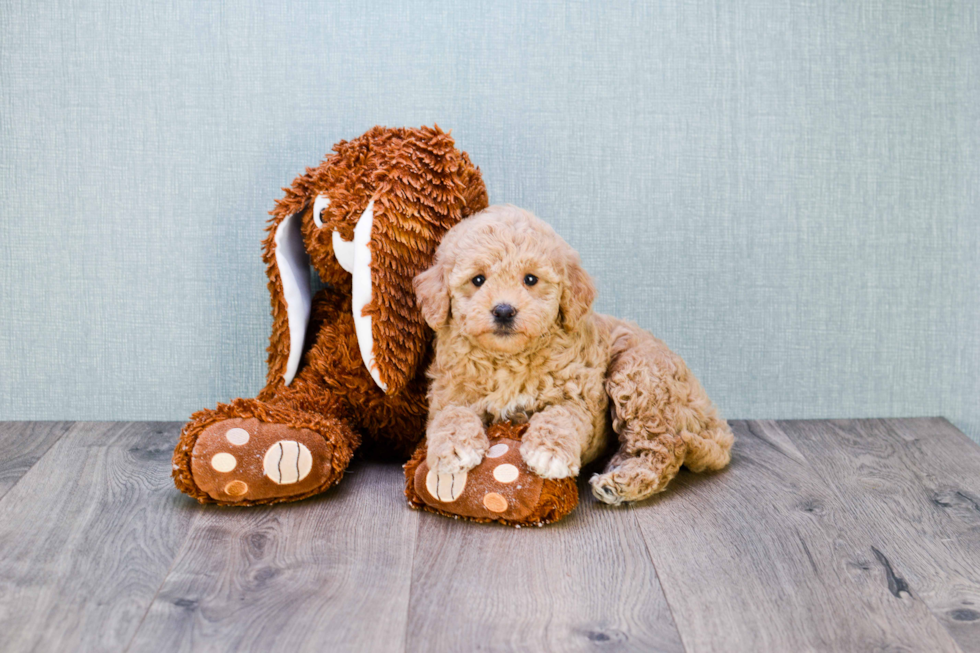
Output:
x,y
914,483
329,574
22,444
843,535
764,556
583,584
87,536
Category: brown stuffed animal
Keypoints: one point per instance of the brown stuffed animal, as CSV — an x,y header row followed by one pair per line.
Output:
x,y
350,361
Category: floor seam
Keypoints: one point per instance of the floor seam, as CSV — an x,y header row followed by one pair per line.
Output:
x,y
660,581
411,577
68,427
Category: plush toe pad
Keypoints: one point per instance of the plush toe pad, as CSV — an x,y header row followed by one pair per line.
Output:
x,y
248,460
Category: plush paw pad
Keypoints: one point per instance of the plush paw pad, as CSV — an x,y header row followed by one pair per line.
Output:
x,y
243,460
445,487
287,462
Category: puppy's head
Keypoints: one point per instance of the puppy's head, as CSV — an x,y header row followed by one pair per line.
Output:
x,y
503,278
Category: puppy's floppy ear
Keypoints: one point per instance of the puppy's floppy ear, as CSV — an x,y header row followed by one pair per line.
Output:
x,y
577,293
433,294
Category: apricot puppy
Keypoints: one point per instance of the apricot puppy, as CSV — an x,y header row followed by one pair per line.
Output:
x,y
516,340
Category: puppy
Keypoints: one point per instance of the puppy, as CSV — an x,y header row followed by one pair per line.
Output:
x,y
516,339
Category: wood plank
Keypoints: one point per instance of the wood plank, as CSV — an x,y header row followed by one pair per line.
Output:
x,y
22,444
764,556
916,484
87,536
842,535
331,573
583,584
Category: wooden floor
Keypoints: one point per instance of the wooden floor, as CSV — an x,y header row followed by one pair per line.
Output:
x,y
836,536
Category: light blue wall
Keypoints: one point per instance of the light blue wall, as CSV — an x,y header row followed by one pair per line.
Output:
x,y
787,192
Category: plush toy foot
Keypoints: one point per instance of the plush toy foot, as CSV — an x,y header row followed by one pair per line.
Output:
x,y
228,456
501,488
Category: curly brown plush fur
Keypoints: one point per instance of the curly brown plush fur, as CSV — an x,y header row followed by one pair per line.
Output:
x,y
420,186
516,335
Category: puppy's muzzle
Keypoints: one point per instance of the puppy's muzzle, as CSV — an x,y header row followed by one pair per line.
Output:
x,y
504,314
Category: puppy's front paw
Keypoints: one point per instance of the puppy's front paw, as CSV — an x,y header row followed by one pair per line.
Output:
x,y
549,462
456,441
454,457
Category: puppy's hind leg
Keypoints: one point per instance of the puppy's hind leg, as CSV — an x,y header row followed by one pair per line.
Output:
x,y
637,475
663,418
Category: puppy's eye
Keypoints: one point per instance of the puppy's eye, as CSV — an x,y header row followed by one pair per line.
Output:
x,y
530,279
478,280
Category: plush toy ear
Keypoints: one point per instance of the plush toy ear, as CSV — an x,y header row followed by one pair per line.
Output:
x,y
288,269
402,245
362,288
433,295
426,188
578,291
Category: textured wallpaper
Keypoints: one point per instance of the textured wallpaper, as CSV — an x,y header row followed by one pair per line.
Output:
x,y
787,192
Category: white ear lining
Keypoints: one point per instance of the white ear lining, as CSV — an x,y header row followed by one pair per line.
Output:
x,y
293,264
361,290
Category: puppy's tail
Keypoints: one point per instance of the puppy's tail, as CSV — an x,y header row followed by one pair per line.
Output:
x,y
662,415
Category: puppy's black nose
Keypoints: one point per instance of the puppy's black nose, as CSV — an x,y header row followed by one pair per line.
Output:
x,y
503,313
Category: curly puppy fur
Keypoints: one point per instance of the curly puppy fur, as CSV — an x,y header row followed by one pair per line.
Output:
x,y
516,339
